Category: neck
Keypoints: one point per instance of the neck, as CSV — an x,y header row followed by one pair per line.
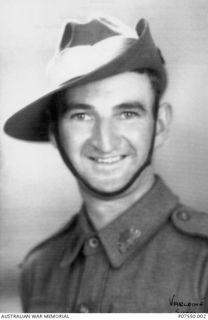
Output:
x,y
101,211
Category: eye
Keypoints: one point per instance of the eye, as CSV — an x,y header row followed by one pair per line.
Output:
x,y
127,115
81,116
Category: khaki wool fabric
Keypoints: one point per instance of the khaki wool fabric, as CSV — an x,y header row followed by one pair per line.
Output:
x,y
152,258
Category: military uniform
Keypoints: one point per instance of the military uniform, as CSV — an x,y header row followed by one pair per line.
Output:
x,y
152,258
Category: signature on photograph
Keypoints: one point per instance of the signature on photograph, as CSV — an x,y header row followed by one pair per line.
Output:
x,y
188,305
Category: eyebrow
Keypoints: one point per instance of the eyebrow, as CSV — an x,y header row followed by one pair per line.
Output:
x,y
123,106
75,106
131,105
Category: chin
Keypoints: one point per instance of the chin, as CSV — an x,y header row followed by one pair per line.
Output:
x,y
110,186
100,189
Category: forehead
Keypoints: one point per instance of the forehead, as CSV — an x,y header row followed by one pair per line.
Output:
x,y
125,87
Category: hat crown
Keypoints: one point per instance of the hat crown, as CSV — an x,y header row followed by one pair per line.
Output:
x,y
93,31
84,47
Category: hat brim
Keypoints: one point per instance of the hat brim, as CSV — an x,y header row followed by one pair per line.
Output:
x,y
31,123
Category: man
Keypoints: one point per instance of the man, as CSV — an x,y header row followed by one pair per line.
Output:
x,y
132,247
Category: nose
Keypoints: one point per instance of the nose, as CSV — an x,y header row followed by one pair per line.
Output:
x,y
105,138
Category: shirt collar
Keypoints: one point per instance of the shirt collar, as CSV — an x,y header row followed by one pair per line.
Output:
x,y
128,232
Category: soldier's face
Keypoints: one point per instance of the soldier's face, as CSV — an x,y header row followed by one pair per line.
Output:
x,y
106,129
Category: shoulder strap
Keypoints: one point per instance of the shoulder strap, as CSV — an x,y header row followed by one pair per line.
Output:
x,y
191,221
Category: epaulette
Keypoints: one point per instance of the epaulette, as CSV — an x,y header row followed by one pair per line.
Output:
x,y
190,221
59,234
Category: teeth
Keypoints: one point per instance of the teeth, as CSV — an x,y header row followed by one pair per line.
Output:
x,y
108,160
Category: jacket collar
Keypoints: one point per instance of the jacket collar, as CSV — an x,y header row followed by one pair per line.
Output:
x,y
128,232
131,230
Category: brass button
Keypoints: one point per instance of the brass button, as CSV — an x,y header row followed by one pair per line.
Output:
x,y
183,215
93,242
84,309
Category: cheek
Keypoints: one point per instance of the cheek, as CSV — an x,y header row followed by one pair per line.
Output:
x,y
72,140
74,131
138,134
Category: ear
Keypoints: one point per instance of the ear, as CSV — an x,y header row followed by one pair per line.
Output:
x,y
163,122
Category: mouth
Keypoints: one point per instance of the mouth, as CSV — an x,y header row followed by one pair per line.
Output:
x,y
107,160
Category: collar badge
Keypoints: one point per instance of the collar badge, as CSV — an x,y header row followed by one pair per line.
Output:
x,y
127,239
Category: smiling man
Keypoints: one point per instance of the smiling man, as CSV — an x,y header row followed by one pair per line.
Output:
x,y
106,132
132,247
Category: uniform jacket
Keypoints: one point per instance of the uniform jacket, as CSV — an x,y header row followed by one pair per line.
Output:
x,y
152,258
